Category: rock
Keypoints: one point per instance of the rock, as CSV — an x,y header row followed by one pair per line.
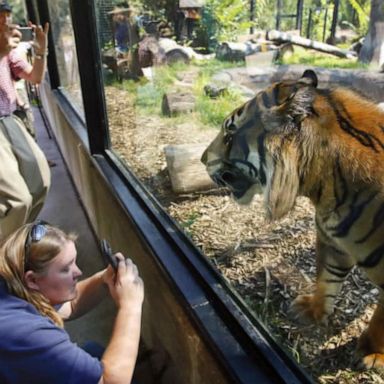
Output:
x,y
175,103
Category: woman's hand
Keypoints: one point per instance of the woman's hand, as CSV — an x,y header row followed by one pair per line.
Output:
x,y
127,290
108,275
125,286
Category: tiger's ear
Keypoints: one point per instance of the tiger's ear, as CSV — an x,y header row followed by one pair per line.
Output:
x,y
309,78
300,103
284,186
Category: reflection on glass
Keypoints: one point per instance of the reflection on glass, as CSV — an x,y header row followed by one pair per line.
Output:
x,y
65,49
155,71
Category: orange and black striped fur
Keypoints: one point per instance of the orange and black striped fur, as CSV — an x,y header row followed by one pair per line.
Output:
x,y
327,144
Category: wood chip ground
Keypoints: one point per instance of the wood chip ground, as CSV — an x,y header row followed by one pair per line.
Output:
x,y
268,264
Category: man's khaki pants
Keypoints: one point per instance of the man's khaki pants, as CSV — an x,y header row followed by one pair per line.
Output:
x,y
24,176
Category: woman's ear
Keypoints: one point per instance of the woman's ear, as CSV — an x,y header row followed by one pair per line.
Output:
x,y
31,280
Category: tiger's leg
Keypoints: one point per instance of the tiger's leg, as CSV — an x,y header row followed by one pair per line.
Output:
x,y
370,347
332,268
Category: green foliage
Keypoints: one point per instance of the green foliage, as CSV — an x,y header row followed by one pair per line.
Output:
x,y
231,16
265,14
321,20
362,9
159,8
18,12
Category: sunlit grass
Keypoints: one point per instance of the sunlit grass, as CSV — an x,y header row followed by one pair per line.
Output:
x,y
147,95
210,67
318,59
212,112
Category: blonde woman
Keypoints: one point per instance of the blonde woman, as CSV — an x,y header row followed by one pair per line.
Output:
x,y
39,289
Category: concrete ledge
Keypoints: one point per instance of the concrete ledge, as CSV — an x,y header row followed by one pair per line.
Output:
x,y
369,83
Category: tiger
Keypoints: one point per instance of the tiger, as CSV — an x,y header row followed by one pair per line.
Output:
x,y
295,139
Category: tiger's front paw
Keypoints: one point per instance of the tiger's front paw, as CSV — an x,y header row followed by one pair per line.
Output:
x,y
308,309
374,360
369,352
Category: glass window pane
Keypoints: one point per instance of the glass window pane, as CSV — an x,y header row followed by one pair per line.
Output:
x,y
65,50
171,76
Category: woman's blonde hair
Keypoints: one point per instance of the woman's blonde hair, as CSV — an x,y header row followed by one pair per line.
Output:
x,y
16,258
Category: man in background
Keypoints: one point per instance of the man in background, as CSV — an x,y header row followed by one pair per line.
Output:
x,y
24,171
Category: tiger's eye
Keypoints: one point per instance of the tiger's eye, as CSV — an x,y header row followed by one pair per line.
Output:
x,y
231,128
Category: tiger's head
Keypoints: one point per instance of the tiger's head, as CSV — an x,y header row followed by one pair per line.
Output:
x,y
257,147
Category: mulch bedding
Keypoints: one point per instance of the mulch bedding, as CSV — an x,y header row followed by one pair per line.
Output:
x,y
268,264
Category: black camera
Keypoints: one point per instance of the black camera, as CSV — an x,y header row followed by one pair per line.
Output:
x,y
108,255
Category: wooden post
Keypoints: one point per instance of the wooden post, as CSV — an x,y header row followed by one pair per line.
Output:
x,y
334,22
325,22
309,25
299,15
278,15
251,15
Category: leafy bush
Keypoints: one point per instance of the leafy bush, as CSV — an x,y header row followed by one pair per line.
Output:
x,y
231,16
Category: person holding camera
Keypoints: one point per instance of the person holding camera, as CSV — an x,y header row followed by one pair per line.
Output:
x,y
39,289
24,171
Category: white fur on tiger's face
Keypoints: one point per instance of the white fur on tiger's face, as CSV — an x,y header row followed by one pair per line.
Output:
x,y
327,144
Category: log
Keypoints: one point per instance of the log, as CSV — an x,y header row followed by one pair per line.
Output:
x,y
186,171
235,51
191,3
283,37
174,52
109,60
175,103
150,52
238,51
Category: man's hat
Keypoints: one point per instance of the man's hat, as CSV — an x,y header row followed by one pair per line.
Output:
x,y
5,7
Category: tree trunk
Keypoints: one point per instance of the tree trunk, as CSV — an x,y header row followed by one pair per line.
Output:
x,y
230,51
372,51
307,43
174,52
332,37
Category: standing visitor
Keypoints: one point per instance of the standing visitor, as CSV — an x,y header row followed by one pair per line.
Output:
x,y
24,171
